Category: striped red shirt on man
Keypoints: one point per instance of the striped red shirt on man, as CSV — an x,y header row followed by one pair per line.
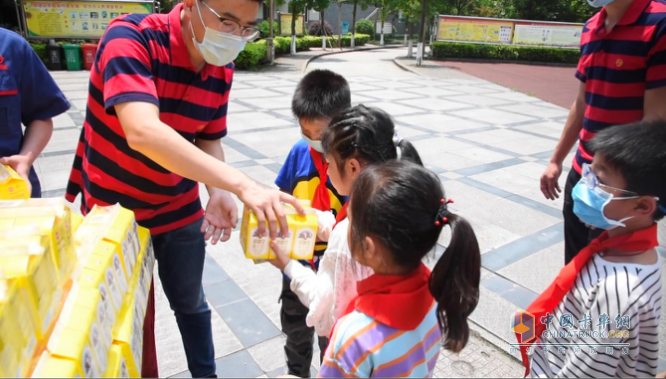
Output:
x,y
149,62
618,66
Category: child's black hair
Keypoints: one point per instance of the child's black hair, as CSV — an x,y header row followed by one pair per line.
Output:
x,y
638,152
400,204
367,134
320,94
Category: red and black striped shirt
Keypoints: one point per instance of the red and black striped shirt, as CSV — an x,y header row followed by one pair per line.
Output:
x,y
617,68
144,58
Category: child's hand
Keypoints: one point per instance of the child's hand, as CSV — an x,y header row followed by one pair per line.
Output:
x,y
281,258
326,220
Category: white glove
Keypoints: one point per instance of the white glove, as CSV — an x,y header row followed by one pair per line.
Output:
x,y
326,220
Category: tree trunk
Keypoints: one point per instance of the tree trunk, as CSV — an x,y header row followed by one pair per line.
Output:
x,y
322,29
381,38
354,24
339,24
410,31
420,48
294,15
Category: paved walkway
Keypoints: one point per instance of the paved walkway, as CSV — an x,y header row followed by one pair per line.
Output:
x,y
487,143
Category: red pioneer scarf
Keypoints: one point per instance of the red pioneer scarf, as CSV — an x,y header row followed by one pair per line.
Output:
x,y
399,301
321,199
341,215
546,302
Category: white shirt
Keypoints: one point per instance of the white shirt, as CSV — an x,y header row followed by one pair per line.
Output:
x,y
606,288
327,292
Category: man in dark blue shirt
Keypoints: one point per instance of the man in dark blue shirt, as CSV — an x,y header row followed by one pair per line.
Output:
x,y
28,96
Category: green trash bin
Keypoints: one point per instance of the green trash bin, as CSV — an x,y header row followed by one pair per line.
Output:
x,y
73,57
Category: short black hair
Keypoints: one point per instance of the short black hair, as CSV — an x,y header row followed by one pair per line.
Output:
x,y
320,94
638,152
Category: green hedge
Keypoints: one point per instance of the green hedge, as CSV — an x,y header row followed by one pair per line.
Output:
x,y
40,49
252,56
254,53
442,50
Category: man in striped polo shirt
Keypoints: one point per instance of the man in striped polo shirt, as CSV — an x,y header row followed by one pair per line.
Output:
x,y
156,112
622,70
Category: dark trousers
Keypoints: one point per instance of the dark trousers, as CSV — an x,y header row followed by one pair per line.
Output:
x,y
298,349
576,235
180,256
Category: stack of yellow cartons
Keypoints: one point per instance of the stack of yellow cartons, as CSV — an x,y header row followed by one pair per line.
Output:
x,y
72,304
36,257
299,244
107,304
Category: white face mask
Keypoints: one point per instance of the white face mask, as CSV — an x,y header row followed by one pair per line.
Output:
x,y
316,145
217,48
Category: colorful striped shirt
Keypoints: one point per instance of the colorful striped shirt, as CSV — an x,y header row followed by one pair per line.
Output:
x,y
617,67
144,58
362,347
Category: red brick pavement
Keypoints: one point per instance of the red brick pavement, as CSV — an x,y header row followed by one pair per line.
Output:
x,y
556,85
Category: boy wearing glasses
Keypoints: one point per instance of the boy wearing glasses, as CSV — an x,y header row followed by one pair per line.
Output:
x,y
155,115
600,317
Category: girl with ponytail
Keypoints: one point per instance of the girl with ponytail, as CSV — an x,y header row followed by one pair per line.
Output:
x,y
394,326
355,140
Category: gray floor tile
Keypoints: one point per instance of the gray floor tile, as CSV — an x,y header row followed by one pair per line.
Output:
x,y
248,322
537,271
516,294
522,248
237,365
213,273
224,293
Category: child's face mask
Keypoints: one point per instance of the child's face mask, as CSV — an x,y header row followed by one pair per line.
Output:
x,y
591,198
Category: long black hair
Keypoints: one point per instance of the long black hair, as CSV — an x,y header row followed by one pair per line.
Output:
x,y
367,134
403,206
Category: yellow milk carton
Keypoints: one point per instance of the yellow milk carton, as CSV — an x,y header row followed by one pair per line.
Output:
x,y
92,300
77,220
97,280
118,226
11,338
128,335
25,260
53,367
299,244
19,308
54,223
117,367
12,185
85,320
74,345
105,257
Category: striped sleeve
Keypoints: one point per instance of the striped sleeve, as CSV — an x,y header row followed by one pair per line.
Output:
x,y
348,354
125,66
656,66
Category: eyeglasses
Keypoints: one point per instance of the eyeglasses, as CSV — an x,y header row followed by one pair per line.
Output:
x,y
592,182
248,33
